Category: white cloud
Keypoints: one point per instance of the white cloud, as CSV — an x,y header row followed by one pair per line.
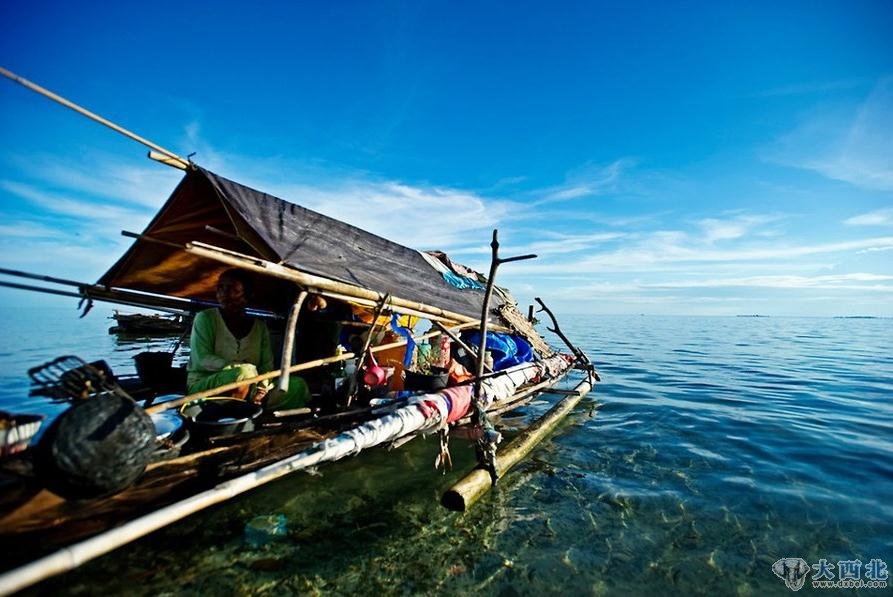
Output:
x,y
554,243
23,229
666,249
587,181
421,216
82,260
856,147
508,181
96,174
880,217
74,208
853,281
669,269
721,230
874,250
68,223
731,228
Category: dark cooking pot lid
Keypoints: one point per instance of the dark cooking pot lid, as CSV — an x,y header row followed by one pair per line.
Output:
x,y
219,411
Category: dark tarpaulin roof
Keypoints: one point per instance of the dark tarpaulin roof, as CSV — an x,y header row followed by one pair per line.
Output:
x,y
279,231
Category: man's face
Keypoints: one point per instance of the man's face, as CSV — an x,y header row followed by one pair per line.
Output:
x,y
231,295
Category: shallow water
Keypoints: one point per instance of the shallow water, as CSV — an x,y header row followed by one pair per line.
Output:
x,y
719,446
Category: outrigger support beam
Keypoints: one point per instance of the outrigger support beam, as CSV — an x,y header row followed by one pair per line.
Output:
x,y
466,492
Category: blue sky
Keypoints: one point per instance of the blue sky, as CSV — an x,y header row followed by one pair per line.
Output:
x,y
686,158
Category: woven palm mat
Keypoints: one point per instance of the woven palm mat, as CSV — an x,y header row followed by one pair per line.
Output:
x,y
516,320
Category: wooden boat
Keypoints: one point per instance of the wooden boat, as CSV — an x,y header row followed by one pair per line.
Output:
x,y
210,224
141,324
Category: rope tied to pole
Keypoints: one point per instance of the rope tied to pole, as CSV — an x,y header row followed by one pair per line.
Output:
x,y
444,458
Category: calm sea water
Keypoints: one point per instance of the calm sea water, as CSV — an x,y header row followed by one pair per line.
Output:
x,y
712,448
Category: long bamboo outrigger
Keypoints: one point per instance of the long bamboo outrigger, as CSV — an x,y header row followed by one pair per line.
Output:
x,y
206,225
157,152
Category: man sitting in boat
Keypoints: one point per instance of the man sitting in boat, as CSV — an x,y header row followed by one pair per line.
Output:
x,y
228,345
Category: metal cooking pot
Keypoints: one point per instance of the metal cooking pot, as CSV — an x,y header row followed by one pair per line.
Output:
x,y
215,417
170,434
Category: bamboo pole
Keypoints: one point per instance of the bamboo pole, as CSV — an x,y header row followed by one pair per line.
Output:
x,y
181,163
167,161
150,239
109,295
114,297
582,359
363,302
324,285
402,310
361,361
41,277
40,289
289,342
482,331
486,448
518,399
467,491
71,557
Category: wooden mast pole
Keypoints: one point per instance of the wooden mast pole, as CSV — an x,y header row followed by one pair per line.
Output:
x,y
172,158
489,437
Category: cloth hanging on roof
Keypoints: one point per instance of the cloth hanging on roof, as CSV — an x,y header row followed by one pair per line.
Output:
x,y
461,281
